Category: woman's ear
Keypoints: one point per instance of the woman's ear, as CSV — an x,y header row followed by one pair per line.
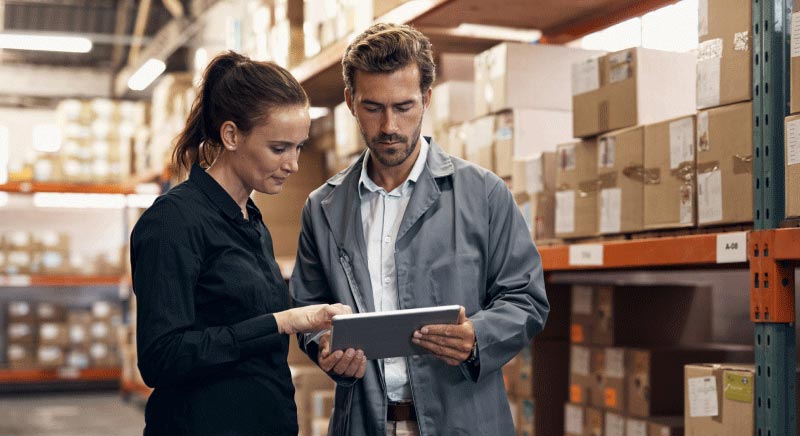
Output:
x,y
230,136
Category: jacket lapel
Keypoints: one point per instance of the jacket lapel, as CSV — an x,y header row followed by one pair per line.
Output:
x,y
342,210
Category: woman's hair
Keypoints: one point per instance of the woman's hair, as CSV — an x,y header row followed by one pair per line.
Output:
x,y
234,88
385,48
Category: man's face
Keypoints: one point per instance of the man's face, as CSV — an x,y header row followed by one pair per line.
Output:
x,y
389,109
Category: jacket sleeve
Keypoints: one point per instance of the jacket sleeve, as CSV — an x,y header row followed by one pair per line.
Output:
x,y
309,285
166,262
517,304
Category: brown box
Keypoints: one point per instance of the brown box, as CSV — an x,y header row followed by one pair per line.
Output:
x,y
595,422
521,377
669,174
20,355
582,369
718,399
20,311
50,240
724,57
51,312
614,424
725,165
348,135
654,426
620,159
574,420
102,331
322,403
80,321
527,132
654,374
792,154
609,378
54,333
576,184
307,379
479,142
582,313
536,173
663,315
526,417
455,66
636,86
538,210
103,355
50,356
106,311
517,75
21,332
452,103
794,106
456,141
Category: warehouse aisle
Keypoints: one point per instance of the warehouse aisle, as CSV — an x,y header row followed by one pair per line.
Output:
x,y
70,414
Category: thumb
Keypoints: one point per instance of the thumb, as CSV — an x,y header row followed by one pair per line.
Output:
x,y
462,316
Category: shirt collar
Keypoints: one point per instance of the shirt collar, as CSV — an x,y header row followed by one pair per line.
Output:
x,y
366,183
219,196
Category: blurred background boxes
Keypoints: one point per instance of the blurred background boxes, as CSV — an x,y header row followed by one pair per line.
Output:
x,y
620,170
576,189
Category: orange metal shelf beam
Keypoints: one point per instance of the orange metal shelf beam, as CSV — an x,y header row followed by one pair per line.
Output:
x,y
786,245
692,250
60,280
20,376
31,187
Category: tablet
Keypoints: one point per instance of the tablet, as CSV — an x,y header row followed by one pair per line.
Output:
x,y
387,334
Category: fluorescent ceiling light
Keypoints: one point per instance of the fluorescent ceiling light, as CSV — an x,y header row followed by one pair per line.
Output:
x,y
21,41
318,112
498,32
79,201
145,75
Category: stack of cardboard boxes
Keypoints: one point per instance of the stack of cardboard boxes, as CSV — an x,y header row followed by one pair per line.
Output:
x,y
47,252
173,96
618,102
792,132
629,346
314,392
46,335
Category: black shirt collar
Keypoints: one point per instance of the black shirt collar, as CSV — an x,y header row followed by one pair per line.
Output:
x,y
221,199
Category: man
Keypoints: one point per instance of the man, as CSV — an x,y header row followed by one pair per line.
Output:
x,y
409,226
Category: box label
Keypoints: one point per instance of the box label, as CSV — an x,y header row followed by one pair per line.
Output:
x,y
579,360
615,363
581,300
681,142
586,254
576,335
566,157
709,196
741,41
796,34
565,212
708,82
739,386
610,210
605,155
573,419
620,64
793,142
575,394
533,175
615,425
732,247
610,397
703,397
702,22
703,139
686,205
585,76
635,427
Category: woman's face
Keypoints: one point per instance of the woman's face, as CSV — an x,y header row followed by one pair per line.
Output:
x,y
268,154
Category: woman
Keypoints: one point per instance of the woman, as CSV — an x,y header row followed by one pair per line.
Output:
x,y
213,312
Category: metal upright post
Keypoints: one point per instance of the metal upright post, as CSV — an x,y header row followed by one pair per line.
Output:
x,y
772,282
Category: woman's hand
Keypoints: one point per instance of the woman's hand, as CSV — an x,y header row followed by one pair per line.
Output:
x,y
309,318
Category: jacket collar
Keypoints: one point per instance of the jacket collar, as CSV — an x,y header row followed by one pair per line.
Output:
x,y
219,196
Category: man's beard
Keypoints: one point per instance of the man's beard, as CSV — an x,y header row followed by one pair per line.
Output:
x,y
392,157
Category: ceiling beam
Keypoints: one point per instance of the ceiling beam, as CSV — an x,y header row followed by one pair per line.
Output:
x,y
120,29
175,7
139,27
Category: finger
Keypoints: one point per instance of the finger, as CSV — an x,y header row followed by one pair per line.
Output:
x,y
462,316
362,368
462,331
342,309
449,342
344,362
439,350
328,363
352,369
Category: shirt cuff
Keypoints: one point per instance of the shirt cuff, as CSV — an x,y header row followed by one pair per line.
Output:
x,y
257,335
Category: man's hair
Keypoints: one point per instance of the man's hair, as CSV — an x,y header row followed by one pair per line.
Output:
x,y
385,48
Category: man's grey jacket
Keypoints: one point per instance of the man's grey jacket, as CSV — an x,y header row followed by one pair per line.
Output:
x,y
461,241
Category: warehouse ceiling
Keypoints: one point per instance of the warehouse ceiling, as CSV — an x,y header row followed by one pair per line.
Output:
x,y
114,26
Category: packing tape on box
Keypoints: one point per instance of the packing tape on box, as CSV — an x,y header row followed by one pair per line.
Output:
x,y
685,172
707,167
742,164
648,176
603,120
588,187
608,180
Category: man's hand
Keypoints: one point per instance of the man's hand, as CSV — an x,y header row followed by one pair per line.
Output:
x,y
451,343
347,363
309,319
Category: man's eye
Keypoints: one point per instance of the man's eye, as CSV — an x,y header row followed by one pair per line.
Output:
x,y
278,150
404,108
372,110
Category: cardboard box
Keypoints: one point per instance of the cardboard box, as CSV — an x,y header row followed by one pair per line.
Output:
x,y
319,427
574,420
669,174
534,174
51,312
636,86
322,403
53,333
452,103
20,311
664,426
725,165
609,378
103,355
595,422
348,135
538,210
50,356
581,370
479,142
576,189
582,313
307,380
794,106
21,332
664,315
20,356
614,424
724,57
620,163
102,331
792,159
527,132
654,374
455,67
456,141
718,399
517,75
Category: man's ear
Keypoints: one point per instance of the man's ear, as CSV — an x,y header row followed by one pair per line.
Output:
x,y
230,135
426,97
348,98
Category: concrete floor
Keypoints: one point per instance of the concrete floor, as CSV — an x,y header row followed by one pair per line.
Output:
x,y
71,414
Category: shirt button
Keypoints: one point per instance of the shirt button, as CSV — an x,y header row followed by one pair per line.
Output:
x,y
386,279
387,239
